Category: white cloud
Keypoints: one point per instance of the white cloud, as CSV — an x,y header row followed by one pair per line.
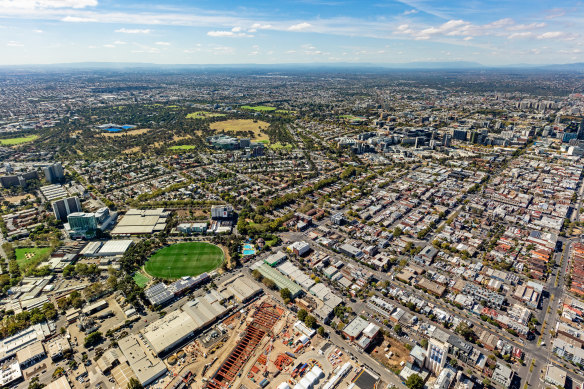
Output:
x,y
109,46
38,31
39,4
521,27
460,28
134,31
236,29
300,26
78,19
229,34
162,43
411,12
259,26
555,13
526,34
120,43
14,44
551,35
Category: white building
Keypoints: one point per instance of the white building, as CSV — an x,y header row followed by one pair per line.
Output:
x,y
437,355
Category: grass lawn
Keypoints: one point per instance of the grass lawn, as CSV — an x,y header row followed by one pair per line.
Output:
x,y
278,146
17,141
140,279
241,125
182,147
27,255
184,259
258,108
204,115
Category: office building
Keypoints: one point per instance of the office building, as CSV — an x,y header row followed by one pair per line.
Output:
x,y
221,212
65,207
437,354
18,180
54,173
81,224
459,134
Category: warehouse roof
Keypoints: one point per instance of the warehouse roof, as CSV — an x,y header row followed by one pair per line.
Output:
x,y
354,328
169,330
115,247
147,369
60,383
279,279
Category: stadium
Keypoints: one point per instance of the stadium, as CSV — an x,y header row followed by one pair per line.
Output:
x,y
184,259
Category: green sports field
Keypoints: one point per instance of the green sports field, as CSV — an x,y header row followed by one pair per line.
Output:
x,y
183,147
17,141
184,259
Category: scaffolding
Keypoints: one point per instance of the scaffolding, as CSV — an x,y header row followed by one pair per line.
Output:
x,y
265,318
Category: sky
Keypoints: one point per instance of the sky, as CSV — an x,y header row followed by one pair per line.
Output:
x,y
490,32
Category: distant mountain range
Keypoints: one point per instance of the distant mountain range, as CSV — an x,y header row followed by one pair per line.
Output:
x,y
457,65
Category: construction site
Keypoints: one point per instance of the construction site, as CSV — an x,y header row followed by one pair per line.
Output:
x,y
263,346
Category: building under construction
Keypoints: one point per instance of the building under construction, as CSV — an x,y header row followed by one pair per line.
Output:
x,y
266,316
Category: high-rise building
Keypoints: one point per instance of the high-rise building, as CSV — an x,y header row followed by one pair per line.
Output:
x,y
54,173
437,355
459,134
581,130
82,224
447,139
63,208
221,211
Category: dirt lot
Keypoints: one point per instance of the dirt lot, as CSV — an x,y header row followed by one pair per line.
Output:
x,y
122,133
17,199
174,139
195,214
397,348
241,125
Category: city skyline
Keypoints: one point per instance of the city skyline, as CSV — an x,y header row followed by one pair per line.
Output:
x,y
493,33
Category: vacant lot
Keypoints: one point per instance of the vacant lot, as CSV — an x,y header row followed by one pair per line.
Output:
x,y
184,259
18,199
17,141
204,115
242,125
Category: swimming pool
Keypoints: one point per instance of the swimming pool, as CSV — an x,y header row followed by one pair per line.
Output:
x,y
248,249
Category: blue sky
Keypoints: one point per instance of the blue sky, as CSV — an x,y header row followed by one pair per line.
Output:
x,y
495,32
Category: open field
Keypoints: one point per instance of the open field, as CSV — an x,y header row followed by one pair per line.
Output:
x,y
204,115
278,146
184,259
242,125
258,108
140,279
17,141
27,255
131,150
18,199
175,138
122,133
182,147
